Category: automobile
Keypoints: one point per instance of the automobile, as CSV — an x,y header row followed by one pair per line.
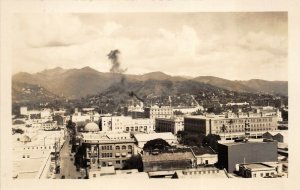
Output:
x,y
79,177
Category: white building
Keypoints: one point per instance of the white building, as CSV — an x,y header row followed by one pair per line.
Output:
x,y
123,123
260,170
154,112
205,156
32,153
188,109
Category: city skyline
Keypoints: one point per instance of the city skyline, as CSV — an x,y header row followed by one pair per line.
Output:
x,y
234,46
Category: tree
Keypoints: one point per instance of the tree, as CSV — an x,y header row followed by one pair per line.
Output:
x,y
159,144
135,162
80,156
178,112
212,141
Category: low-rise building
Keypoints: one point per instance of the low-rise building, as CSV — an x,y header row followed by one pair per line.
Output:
x,y
205,156
260,170
188,109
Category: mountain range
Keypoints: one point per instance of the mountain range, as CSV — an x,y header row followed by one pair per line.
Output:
x,y
78,83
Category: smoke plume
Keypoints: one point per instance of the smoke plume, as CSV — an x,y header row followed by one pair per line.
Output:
x,y
115,64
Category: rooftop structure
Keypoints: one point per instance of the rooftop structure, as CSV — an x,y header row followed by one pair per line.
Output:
x,y
168,161
91,127
142,139
200,173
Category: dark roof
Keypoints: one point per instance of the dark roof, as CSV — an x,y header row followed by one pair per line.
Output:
x,y
203,150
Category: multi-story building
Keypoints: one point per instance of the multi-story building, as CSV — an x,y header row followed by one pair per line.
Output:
x,y
231,154
172,125
107,149
154,112
122,123
230,127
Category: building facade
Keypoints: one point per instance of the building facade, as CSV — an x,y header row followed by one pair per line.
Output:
x,y
260,170
231,154
107,149
172,125
154,112
230,128
122,123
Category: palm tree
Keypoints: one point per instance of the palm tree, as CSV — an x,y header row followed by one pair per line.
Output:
x,y
224,130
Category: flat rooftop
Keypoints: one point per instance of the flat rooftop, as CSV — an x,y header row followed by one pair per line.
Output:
x,y
250,141
256,166
168,157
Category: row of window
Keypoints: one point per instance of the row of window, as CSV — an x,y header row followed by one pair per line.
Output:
x,y
242,130
136,128
243,121
42,147
200,172
262,174
110,155
109,147
252,125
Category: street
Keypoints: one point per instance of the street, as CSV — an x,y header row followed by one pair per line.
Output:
x,y
67,167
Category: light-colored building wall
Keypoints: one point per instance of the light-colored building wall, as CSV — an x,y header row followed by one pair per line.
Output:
x,y
234,126
108,149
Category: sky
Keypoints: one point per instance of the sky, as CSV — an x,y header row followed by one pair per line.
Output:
x,y
235,46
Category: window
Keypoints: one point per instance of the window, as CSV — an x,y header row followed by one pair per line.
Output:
x,y
28,156
117,147
261,174
23,156
123,147
94,175
254,175
267,174
129,147
118,162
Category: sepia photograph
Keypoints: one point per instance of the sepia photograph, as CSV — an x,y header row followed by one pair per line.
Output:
x,y
160,94
196,95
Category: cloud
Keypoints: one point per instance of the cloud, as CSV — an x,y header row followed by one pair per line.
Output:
x,y
111,27
48,40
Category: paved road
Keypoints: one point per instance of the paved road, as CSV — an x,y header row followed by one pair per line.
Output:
x,y
67,167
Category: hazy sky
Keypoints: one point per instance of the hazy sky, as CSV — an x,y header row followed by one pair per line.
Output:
x,y
236,46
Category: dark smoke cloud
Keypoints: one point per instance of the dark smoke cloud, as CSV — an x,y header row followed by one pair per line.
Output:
x,y
114,58
132,94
